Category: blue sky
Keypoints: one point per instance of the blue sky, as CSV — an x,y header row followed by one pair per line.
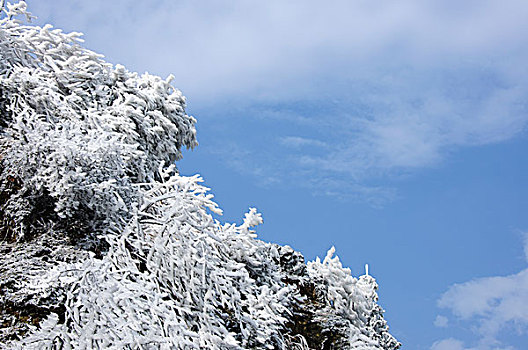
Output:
x,y
394,130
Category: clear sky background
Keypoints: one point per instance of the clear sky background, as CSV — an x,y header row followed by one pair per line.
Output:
x,y
394,130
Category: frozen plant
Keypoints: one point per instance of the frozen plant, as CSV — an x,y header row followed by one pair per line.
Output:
x,y
105,246
77,132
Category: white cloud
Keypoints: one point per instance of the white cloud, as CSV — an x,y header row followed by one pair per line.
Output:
x,y
441,321
298,142
448,344
495,305
497,298
393,85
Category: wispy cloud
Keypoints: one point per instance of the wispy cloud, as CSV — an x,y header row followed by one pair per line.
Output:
x,y
494,305
441,321
382,86
299,142
448,344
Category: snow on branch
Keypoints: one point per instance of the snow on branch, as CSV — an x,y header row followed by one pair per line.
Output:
x,y
113,248
78,130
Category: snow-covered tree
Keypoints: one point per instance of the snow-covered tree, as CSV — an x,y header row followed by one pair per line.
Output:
x,y
355,301
79,132
104,244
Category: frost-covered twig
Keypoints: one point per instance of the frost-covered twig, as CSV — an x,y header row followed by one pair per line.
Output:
x,y
87,153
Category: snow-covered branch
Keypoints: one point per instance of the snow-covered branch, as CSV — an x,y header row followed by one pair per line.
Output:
x,y
105,245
